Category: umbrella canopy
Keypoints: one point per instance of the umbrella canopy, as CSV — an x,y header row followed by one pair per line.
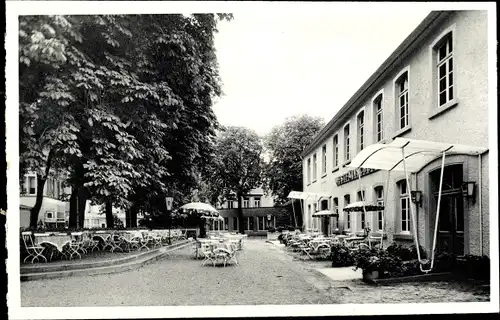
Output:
x,y
324,213
358,206
204,208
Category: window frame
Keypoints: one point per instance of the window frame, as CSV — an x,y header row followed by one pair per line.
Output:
x,y
309,170
436,108
405,72
28,187
406,198
335,151
378,98
362,215
256,202
360,130
347,143
315,167
323,159
379,201
348,222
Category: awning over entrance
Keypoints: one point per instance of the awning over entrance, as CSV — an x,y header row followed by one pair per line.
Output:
x,y
417,154
324,213
306,195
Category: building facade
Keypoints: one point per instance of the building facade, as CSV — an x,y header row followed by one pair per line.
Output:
x,y
433,87
259,213
54,210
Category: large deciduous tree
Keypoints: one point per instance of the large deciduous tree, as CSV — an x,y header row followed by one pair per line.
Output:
x,y
237,167
285,144
120,103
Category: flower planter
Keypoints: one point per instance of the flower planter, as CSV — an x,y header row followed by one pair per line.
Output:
x,y
369,276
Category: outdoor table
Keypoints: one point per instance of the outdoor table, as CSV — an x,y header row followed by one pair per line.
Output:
x,y
58,241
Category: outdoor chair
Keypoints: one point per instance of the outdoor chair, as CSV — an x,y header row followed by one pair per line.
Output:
x,y
74,246
144,241
89,243
155,239
34,251
129,241
208,254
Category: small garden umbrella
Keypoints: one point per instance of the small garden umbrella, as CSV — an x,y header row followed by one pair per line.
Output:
x,y
200,207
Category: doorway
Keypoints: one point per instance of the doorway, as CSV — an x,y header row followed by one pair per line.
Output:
x,y
451,213
325,219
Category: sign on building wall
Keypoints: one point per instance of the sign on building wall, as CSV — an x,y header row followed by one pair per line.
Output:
x,y
353,175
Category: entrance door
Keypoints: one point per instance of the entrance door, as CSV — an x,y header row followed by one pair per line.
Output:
x,y
451,224
451,214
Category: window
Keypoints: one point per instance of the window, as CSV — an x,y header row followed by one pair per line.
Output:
x,y
379,195
256,202
261,223
336,151
315,207
246,202
379,121
444,51
230,205
347,148
402,101
235,223
361,197
31,185
250,223
315,167
347,200
336,210
226,223
361,130
309,171
323,156
404,206
49,215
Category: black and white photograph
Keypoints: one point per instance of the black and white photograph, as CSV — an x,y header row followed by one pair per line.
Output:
x,y
238,159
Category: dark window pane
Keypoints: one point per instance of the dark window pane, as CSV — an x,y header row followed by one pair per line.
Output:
x,y
450,64
450,93
442,84
459,214
450,79
442,71
442,52
442,98
450,43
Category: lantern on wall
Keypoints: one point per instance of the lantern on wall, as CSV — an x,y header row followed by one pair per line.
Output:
x,y
416,197
468,188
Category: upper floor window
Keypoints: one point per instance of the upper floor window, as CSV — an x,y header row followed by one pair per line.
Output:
x,y
246,202
402,101
336,151
256,202
31,185
379,195
323,157
379,121
361,130
230,204
444,55
404,206
347,147
226,223
315,167
309,171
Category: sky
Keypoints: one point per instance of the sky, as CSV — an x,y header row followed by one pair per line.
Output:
x,y
275,65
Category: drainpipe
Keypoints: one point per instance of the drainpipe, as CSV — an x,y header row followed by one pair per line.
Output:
x,y
480,207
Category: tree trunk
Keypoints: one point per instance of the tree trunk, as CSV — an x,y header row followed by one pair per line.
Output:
x,y
133,216
73,208
82,202
110,221
128,214
39,200
240,213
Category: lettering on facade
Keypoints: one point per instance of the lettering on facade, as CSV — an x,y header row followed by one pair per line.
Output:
x,y
353,175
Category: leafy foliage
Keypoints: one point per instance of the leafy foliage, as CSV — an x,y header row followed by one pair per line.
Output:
x,y
119,104
341,255
285,144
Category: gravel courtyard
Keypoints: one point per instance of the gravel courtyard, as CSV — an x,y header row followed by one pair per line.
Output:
x,y
265,275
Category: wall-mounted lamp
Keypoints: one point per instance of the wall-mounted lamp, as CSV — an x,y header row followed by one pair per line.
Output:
x,y
468,188
416,197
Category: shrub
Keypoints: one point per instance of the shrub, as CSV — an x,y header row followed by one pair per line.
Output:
x,y
290,228
475,267
271,229
341,255
406,253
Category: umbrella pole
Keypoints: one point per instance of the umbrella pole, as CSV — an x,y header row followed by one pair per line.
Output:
x,y
385,191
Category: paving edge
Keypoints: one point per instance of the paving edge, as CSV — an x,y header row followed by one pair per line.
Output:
x,y
103,270
78,266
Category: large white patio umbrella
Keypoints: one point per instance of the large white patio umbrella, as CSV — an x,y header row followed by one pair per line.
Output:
x,y
204,208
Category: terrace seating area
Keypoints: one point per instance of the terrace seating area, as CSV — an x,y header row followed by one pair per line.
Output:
x,y
314,245
219,247
49,246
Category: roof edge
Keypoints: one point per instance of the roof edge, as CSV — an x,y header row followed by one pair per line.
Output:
x,y
412,40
